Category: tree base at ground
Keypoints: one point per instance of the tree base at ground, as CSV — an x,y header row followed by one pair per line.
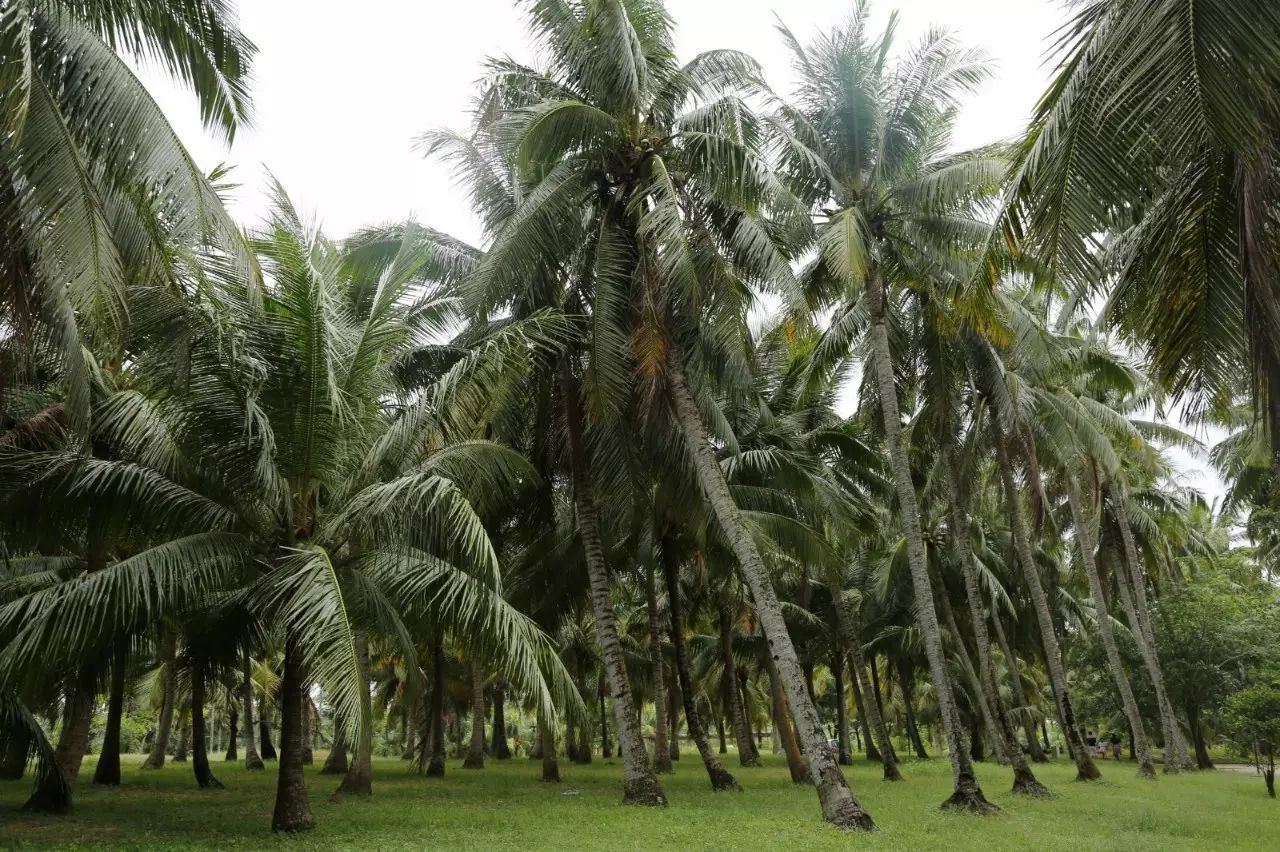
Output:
x,y
722,780
969,800
643,791
1025,784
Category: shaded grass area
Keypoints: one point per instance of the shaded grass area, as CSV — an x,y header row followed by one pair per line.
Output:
x,y
504,806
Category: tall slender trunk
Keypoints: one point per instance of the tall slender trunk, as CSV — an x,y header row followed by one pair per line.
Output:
x,y
639,783
547,745
233,734
1015,687
1086,770
720,777
337,762
107,772
1139,616
1005,734
433,741
868,706
264,728
359,778
606,745
292,812
475,754
184,735
582,750
252,760
1085,544
796,763
967,794
199,736
906,679
868,741
164,725
1203,760
747,755
73,742
661,741
673,716
308,731
843,756
985,713
409,719
498,746
839,807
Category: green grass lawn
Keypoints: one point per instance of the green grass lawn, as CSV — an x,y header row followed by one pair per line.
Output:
x,y
504,806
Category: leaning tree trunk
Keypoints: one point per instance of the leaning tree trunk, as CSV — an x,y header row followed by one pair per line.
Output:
x,y
1024,780
868,742
868,706
747,755
107,772
967,794
199,738
906,681
839,807
1139,615
985,713
843,755
359,778
782,729
639,783
661,718
292,810
721,778
1015,687
252,760
498,743
337,763
1086,770
547,745
77,715
164,726
475,754
1203,761
1084,542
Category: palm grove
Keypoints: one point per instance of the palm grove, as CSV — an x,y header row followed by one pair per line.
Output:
x,y
384,487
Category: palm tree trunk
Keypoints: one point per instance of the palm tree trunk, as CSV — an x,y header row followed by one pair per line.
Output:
x,y
547,745
475,754
639,783
782,729
839,807
1138,614
1203,761
164,725
337,762
1084,541
252,760
906,681
233,734
998,745
1015,687
199,737
721,779
13,763
747,755
359,778
1086,770
107,772
967,794
184,735
433,741
264,728
673,717
308,731
292,809
606,745
849,620
498,746
661,742
1006,737
582,750
843,756
73,743
868,741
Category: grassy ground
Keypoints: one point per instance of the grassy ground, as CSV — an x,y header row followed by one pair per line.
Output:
x,y
506,807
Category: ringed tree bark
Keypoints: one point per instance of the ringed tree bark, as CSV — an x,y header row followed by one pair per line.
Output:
x,y
1086,770
252,760
865,693
839,807
661,741
1138,613
1087,549
639,782
967,794
475,754
721,779
107,772
292,809
164,725
796,764
199,742
1024,780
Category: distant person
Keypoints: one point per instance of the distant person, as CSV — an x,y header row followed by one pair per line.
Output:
x,y
1115,745
1091,741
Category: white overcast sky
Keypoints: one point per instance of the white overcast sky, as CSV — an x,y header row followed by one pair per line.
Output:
x,y
341,89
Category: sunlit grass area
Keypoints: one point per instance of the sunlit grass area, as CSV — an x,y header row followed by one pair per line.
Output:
x,y
505,806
